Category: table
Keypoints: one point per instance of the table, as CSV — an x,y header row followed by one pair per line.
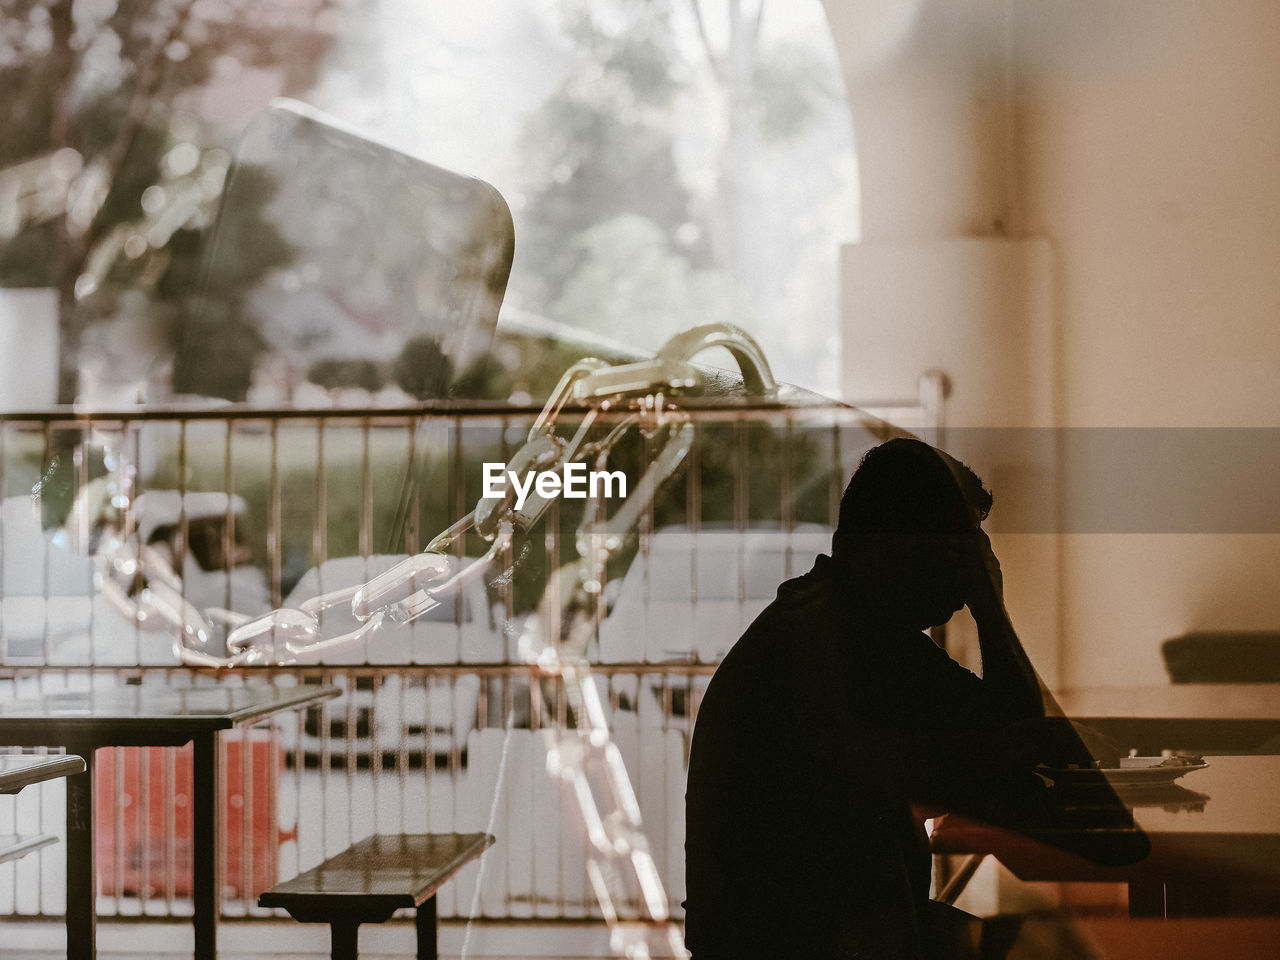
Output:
x,y
1214,831
1204,717
18,771
140,716
22,770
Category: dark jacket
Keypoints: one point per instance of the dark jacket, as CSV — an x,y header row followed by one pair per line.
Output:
x,y
816,735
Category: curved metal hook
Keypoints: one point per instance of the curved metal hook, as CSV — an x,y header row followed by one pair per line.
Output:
x,y
751,360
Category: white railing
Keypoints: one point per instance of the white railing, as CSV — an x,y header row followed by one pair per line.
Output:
x,y
437,733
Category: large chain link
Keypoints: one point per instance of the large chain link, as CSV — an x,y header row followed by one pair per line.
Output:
x,y
641,396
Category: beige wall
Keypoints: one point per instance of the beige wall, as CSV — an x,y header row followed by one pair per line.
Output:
x,y
1140,139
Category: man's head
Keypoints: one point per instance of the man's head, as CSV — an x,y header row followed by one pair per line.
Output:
x,y
907,520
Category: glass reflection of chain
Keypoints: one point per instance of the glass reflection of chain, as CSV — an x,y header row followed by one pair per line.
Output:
x,y
641,396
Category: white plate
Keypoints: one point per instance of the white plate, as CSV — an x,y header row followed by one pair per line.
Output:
x,y
1120,776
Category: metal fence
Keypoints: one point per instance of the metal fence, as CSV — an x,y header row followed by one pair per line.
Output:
x,y
438,728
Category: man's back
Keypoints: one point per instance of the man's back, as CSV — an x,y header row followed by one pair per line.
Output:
x,y
800,839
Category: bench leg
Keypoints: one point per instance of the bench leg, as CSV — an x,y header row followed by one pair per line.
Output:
x,y
343,936
424,922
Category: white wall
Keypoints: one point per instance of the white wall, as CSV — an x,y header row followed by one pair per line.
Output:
x,y
1149,150
1140,139
28,349
1149,145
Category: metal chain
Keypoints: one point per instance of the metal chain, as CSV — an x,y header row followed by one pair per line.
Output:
x,y
644,397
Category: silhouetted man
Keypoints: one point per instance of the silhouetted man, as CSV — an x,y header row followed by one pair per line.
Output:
x,y
834,714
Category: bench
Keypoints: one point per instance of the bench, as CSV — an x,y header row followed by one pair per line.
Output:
x,y
372,879
14,847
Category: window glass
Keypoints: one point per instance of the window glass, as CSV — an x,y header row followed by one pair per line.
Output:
x,y
667,163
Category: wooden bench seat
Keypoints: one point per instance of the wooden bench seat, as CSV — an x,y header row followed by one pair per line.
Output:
x,y
372,879
14,847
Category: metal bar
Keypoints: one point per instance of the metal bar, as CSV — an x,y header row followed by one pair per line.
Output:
x,y
170,845
366,493
320,531
206,852
375,748
413,521
326,765
117,759
458,508
275,522
82,875
247,819
4,461
35,673
343,939
184,532
229,526
707,406
425,924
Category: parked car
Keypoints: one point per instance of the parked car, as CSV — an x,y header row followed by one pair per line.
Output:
x,y
407,712
690,596
52,612
687,599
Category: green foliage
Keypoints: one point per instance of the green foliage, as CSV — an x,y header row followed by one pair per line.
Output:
x,y
101,79
217,344
422,369
140,170
336,372
218,351
601,145
789,92
248,245
27,260
487,378
519,362
632,41
634,286
712,122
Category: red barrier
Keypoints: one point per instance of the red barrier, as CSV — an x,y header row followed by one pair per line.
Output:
x,y
145,849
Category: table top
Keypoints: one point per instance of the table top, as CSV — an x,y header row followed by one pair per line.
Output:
x,y
1174,701
22,770
1219,718
142,715
1216,822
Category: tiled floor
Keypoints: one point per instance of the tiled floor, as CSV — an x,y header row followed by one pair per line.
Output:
x,y
291,941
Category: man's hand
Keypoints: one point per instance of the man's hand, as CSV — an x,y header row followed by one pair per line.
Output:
x,y
1006,671
985,583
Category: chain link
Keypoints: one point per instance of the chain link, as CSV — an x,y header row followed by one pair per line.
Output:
x,y
643,396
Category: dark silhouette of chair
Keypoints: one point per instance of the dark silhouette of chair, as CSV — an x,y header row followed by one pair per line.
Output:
x,y
1206,656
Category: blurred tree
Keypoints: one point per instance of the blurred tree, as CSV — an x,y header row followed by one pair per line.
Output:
x,y
601,145
106,170
637,288
624,182
422,369
524,367
338,372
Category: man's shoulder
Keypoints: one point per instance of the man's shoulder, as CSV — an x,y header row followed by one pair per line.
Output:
x,y
790,627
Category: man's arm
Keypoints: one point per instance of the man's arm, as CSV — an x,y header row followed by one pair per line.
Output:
x,y
1015,688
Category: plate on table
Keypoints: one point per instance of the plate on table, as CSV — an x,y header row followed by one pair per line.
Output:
x,y
1134,771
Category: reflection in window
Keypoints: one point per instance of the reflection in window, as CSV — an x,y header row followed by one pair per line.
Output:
x,y
668,162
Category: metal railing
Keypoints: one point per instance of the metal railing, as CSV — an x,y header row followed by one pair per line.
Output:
x,y
435,733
